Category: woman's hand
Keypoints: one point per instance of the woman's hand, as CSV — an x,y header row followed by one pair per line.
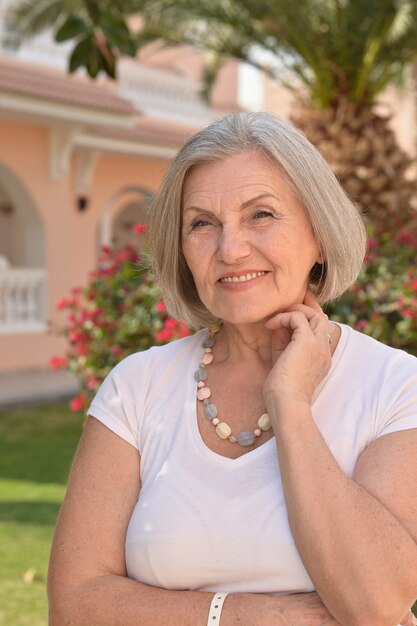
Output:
x,y
306,609
301,355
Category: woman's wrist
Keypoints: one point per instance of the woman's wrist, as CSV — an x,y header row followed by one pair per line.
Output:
x,y
287,411
253,609
215,610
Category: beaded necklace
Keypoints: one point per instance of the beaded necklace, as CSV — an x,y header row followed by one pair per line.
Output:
x,y
223,430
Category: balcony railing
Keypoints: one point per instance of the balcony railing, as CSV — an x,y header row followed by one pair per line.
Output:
x,y
22,300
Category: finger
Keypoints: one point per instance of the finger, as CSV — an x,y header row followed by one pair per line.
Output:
x,y
318,321
309,311
291,320
303,321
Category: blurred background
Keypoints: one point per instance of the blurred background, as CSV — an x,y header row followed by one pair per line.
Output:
x,y
82,153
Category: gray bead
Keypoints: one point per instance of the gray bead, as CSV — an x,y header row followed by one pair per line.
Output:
x,y
200,374
208,342
210,411
245,438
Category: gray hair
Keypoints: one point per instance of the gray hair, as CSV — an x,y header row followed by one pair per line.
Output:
x,y
336,222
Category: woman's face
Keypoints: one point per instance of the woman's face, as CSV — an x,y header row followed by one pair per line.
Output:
x,y
246,238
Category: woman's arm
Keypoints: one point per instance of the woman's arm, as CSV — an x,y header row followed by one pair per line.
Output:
x,y
357,538
87,584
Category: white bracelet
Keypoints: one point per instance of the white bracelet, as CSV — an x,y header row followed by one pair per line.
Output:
x,y
216,609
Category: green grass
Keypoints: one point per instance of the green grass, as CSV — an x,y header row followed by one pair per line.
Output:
x,y
36,448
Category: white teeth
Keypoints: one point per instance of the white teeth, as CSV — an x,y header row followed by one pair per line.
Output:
x,y
241,279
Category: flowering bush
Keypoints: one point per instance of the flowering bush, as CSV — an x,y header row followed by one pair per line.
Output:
x,y
383,302
119,312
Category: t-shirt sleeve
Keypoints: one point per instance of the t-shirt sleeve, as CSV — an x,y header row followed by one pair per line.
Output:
x,y
399,396
117,403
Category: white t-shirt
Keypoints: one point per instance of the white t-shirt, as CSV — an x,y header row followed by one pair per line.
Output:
x,y
209,523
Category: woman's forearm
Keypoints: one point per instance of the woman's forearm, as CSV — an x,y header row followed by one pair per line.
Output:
x,y
358,556
111,600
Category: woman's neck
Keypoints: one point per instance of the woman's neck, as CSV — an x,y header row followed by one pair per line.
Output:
x,y
249,341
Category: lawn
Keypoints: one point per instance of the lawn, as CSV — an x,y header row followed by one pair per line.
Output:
x,y
36,447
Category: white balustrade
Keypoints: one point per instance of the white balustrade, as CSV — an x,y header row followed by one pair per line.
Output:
x,y
156,92
162,94
22,300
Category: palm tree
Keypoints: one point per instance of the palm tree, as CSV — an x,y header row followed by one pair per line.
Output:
x,y
336,55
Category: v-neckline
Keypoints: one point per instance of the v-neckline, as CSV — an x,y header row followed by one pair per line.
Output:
x,y
191,404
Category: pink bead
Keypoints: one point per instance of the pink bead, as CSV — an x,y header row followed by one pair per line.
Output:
x,y
203,393
207,358
201,383
257,432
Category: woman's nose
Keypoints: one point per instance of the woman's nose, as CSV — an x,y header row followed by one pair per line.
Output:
x,y
233,245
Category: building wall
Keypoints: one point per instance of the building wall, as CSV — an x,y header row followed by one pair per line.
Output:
x,y
70,235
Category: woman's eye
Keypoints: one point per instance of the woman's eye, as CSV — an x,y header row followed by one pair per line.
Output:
x,y
262,213
199,223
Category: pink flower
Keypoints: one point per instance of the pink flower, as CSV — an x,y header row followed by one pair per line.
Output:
x,y
81,349
62,304
58,362
406,238
184,330
372,244
408,313
413,284
160,307
170,324
361,324
124,255
75,336
92,383
163,335
78,403
139,229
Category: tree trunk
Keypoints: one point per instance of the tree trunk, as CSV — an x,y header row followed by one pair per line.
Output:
x,y
365,156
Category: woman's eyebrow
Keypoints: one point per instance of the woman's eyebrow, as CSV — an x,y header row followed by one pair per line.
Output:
x,y
244,205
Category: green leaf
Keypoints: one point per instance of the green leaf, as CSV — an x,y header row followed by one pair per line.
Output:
x,y
117,33
81,54
101,58
72,27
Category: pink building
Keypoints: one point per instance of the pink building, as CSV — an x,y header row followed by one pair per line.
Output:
x,y
79,161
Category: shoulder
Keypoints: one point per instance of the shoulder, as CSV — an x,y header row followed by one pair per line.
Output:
x,y
386,373
159,358
370,351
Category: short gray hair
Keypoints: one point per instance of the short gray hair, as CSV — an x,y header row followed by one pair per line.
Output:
x,y
336,222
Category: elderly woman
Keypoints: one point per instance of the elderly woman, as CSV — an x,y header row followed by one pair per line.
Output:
x,y
269,457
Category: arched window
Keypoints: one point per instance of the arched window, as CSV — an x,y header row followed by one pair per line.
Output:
x,y
22,272
127,207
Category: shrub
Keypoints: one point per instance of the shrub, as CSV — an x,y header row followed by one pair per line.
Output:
x,y
383,302
119,312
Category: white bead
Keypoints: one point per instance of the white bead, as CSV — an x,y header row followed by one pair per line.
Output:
x,y
264,422
223,430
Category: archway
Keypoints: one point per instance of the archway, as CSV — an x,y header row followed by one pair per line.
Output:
x,y
22,258
127,207
21,229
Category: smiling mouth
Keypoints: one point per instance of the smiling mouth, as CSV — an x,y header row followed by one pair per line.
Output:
x,y
243,278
